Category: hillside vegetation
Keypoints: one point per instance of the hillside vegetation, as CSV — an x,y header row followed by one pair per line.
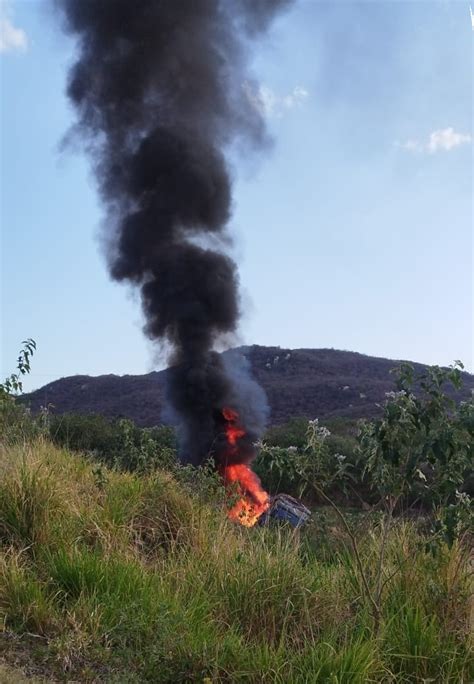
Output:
x,y
119,564
117,577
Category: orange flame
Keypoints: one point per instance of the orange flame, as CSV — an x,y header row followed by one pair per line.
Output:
x,y
233,431
253,499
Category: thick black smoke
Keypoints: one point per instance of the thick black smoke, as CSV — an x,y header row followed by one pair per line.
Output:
x,y
158,89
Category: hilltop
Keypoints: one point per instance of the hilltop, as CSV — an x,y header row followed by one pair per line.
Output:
x,y
298,382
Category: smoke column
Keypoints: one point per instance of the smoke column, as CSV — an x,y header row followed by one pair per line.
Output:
x,y
157,87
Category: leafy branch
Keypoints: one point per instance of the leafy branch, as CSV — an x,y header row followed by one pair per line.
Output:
x,y
13,385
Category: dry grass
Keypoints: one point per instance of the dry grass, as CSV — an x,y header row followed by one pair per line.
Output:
x,y
130,579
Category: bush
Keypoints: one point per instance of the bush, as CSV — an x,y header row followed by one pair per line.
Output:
x,y
291,468
286,457
15,420
116,443
291,433
422,448
419,453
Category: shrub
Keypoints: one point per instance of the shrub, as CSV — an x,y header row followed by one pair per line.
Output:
x,y
116,443
421,450
15,420
293,468
291,433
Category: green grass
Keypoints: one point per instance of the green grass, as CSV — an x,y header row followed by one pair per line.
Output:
x,y
123,578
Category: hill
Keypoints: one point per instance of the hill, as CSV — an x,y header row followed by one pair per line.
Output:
x,y
298,382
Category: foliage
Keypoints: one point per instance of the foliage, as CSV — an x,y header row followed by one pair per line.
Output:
x,y
106,565
15,420
118,443
12,384
291,433
419,453
292,468
421,449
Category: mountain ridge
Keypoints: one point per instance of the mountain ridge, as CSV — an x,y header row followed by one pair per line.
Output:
x,y
298,382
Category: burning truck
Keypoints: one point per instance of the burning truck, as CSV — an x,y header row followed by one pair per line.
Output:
x,y
254,505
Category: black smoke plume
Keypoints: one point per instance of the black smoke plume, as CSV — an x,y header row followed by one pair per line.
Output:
x,y
158,91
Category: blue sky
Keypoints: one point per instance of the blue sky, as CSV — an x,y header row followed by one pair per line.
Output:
x,y
354,231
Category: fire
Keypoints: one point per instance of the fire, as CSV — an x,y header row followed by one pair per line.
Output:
x,y
233,431
253,499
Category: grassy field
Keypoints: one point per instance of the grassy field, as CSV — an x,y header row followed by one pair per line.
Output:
x,y
116,577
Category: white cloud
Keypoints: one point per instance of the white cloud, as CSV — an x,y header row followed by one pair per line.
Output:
x,y
11,37
412,146
268,103
295,98
445,139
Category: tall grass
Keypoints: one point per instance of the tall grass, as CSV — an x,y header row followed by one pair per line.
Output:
x,y
131,578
